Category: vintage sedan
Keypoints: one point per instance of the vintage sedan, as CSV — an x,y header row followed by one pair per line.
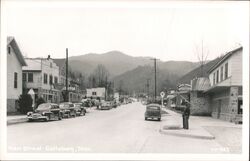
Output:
x,y
46,112
153,111
80,110
106,105
68,109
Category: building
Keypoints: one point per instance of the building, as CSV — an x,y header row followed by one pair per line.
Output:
x,y
41,75
74,92
15,62
225,91
117,96
96,93
199,102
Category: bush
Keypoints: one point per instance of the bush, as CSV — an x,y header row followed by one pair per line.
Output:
x,y
25,103
39,101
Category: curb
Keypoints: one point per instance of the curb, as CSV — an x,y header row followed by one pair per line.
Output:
x,y
16,121
174,132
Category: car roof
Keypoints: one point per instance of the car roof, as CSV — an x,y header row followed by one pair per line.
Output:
x,y
154,105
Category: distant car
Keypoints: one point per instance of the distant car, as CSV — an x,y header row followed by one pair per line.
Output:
x,y
153,111
68,109
45,112
80,110
106,105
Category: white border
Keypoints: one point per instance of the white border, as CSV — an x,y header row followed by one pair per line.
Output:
x,y
131,156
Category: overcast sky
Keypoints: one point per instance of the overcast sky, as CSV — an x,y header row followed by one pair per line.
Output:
x,y
163,30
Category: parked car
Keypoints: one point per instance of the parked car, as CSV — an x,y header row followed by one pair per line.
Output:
x,y
106,105
153,111
80,110
68,109
46,112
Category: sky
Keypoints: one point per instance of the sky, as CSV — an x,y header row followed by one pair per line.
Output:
x,y
165,30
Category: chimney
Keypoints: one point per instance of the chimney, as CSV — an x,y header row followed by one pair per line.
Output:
x,y
48,57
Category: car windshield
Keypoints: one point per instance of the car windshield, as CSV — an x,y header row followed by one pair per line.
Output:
x,y
77,105
153,108
64,105
44,106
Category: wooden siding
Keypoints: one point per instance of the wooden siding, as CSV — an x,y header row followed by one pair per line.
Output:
x,y
236,68
234,71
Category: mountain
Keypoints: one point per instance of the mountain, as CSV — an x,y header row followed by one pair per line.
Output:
x,y
135,80
197,72
118,63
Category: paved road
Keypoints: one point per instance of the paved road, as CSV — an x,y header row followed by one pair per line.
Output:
x,y
120,130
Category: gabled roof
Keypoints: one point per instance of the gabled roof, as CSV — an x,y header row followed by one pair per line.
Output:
x,y
12,42
222,59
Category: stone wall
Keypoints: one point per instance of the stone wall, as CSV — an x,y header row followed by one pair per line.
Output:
x,y
200,104
224,104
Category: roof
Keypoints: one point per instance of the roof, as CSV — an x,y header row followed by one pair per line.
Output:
x,y
200,84
12,42
223,58
60,62
33,65
153,104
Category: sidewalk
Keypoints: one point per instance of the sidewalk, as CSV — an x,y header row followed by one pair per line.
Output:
x,y
15,119
173,126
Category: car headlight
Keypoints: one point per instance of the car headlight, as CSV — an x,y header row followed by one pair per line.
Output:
x,y
43,113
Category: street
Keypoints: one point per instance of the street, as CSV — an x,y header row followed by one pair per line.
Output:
x,y
119,130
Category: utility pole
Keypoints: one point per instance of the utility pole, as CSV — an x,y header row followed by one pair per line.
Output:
x,y
155,76
67,99
147,85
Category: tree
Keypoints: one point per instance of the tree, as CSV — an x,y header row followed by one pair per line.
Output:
x,y
101,74
25,103
202,55
39,101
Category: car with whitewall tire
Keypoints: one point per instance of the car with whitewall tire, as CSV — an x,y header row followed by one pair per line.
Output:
x,y
45,112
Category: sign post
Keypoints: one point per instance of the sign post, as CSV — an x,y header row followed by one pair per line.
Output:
x,y
162,96
32,93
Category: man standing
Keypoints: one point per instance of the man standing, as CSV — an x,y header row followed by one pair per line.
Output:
x,y
185,115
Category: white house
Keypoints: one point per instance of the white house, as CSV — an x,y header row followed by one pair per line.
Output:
x,y
226,86
96,92
15,61
41,75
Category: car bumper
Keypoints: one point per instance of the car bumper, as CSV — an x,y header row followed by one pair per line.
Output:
x,y
36,117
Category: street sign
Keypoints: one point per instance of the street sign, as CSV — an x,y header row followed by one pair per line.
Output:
x,y
32,93
162,94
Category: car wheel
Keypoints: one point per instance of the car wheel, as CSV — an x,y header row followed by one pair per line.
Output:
x,y
159,119
46,119
30,120
146,118
59,116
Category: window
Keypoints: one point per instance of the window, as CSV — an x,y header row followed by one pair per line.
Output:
x,y
45,78
24,77
214,79
55,80
217,76
221,73
9,49
94,93
15,80
30,77
226,70
50,79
